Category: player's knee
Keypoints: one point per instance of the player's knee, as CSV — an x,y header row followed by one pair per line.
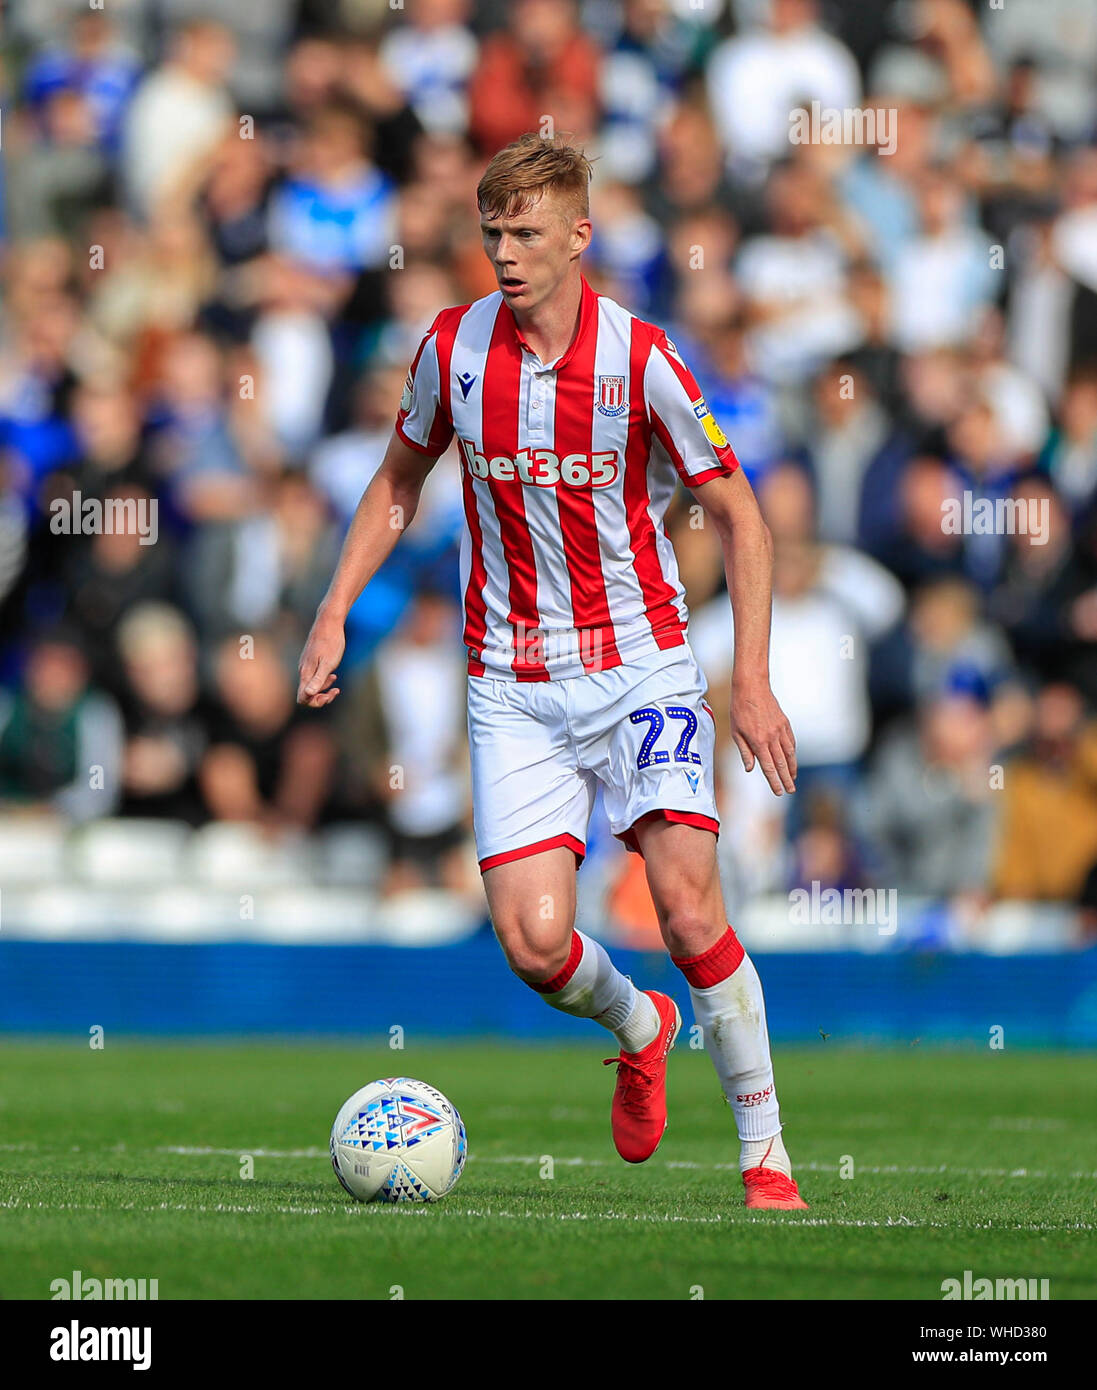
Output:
x,y
532,961
690,931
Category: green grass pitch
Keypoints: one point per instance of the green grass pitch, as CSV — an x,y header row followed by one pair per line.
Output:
x,y
126,1163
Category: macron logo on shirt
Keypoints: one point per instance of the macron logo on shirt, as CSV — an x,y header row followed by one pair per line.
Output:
x,y
466,381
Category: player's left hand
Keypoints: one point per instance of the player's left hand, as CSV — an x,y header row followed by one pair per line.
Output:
x,y
761,731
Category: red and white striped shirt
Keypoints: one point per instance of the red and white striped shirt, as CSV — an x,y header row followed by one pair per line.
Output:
x,y
567,471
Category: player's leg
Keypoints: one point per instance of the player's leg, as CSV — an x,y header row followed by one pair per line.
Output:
x,y
531,804
653,747
532,906
682,874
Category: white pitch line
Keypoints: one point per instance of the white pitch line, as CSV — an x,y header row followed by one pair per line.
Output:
x,y
201,1151
528,1160
367,1210
884,1170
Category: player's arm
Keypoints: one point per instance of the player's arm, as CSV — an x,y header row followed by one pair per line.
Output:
x,y
706,464
758,723
386,508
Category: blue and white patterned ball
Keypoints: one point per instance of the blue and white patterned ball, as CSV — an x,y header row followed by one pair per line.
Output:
x,y
398,1140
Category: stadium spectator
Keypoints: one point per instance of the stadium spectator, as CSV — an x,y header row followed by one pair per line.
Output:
x,y
179,113
60,737
930,810
106,573
829,604
945,643
875,356
881,191
942,275
1070,455
295,358
755,79
165,715
267,569
541,62
36,376
432,60
61,174
403,736
198,452
335,213
261,33
94,64
342,465
1030,600
233,190
268,762
110,447
1062,38
1048,841
311,75
825,852
848,428
1073,247
628,246
1040,305
703,239
907,531
793,278
154,287
646,62
690,165
736,393
986,470
944,55
365,80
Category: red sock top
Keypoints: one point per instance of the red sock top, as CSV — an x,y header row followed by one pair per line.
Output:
x,y
560,979
714,965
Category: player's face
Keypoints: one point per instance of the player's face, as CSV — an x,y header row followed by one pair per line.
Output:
x,y
532,252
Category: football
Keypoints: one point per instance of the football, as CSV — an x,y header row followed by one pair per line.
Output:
x,y
398,1140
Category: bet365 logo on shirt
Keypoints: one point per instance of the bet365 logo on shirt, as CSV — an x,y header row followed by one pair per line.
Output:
x,y
543,467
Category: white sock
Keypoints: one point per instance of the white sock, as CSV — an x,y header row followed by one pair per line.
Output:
x,y
732,1015
598,990
765,1153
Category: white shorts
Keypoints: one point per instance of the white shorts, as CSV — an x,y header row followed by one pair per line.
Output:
x,y
539,748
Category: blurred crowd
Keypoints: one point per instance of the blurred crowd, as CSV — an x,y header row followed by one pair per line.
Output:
x,y
225,229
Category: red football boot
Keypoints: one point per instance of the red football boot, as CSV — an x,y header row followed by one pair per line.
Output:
x,y
640,1099
768,1189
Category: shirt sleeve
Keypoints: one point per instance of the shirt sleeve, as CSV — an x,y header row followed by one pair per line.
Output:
x,y
681,420
424,422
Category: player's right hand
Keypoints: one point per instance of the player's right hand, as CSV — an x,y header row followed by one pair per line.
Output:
x,y
323,653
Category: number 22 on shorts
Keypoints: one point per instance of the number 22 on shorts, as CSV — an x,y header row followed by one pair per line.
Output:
x,y
654,718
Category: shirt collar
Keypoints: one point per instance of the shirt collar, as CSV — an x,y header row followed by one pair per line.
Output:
x,y
588,307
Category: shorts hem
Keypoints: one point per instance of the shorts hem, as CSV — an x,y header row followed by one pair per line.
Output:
x,y
694,818
508,856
